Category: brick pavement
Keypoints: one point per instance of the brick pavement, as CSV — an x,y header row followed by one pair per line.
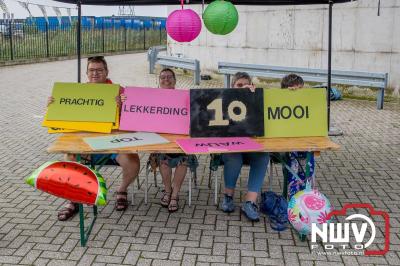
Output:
x,y
366,169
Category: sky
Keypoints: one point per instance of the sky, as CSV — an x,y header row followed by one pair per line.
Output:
x,y
19,12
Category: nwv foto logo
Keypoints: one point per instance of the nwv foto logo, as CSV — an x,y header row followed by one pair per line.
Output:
x,y
333,233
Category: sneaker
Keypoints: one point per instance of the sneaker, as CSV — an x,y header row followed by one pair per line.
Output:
x,y
250,210
227,204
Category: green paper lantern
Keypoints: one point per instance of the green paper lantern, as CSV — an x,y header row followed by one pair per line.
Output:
x,y
220,17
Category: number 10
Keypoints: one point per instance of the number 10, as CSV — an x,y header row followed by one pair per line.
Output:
x,y
219,120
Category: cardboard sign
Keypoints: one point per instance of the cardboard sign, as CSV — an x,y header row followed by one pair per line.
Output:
x,y
55,130
124,140
87,102
116,122
295,113
156,110
218,145
80,126
226,113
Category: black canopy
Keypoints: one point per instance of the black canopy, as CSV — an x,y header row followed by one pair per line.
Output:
x,y
177,2
236,2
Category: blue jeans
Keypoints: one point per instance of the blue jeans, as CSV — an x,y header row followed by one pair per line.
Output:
x,y
233,163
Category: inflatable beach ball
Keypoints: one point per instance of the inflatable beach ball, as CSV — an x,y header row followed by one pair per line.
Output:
x,y
183,25
306,207
221,17
70,180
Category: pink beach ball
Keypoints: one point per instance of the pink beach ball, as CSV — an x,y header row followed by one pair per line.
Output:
x,y
306,207
183,25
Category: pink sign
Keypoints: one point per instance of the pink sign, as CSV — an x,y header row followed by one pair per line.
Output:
x,y
218,145
156,110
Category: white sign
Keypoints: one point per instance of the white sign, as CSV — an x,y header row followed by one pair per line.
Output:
x,y
124,140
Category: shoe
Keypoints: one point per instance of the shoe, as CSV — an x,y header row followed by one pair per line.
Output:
x,y
68,212
250,210
228,205
121,203
165,198
173,205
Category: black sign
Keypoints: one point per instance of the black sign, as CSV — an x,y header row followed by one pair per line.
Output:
x,y
226,113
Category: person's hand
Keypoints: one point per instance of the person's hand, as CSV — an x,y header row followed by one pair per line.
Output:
x,y
50,100
123,98
251,87
120,99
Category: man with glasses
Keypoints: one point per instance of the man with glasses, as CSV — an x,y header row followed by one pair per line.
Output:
x,y
97,72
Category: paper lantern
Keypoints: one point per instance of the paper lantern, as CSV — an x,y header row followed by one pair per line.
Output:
x,y
306,207
221,17
70,180
183,25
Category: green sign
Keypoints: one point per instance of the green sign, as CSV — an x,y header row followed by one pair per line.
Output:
x,y
83,102
295,113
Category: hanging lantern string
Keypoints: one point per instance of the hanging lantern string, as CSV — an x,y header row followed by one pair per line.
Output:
x,y
202,8
182,4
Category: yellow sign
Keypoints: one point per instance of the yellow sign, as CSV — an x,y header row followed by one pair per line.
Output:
x,y
54,130
83,102
116,123
80,126
295,113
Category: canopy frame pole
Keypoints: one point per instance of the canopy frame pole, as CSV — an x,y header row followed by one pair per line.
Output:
x,y
78,38
329,62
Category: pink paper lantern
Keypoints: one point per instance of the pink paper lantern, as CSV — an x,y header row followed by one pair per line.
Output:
x,y
183,25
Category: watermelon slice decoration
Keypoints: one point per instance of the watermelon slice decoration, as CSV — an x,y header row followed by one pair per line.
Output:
x,y
70,180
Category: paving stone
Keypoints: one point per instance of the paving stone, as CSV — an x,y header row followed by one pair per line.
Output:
x,y
54,255
164,245
366,170
144,262
131,257
109,259
189,259
232,256
176,253
216,259
166,263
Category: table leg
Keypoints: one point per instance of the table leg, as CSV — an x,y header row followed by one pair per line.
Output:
x,y
190,188
146,188
86,233
216,189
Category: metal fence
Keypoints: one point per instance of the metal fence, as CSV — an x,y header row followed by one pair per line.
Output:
x,y
20,41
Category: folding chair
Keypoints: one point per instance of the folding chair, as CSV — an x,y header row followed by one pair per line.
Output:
x,y
105,159
216,161
152,165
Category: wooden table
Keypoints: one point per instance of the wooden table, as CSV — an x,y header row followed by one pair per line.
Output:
x,y
73,143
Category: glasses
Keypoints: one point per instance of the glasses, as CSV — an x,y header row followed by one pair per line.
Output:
x,y
98,70
167,77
